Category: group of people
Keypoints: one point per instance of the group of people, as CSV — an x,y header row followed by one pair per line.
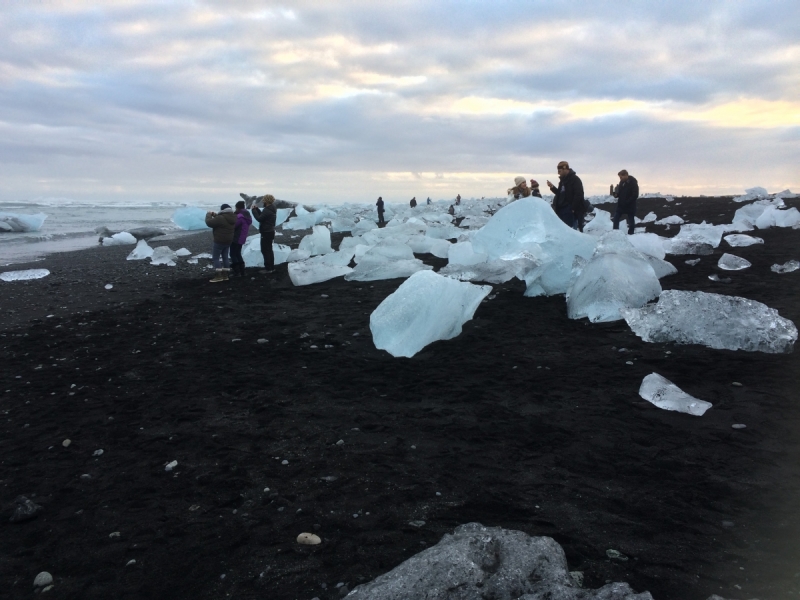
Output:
x,y
569,202
230,228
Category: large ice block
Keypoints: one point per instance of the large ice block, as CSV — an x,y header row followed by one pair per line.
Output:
x,y
666,395
13,222
190,218
491,271
317,242
713,320
251,252
422,244
648,243
618,276
462,253
425,308
368,270
315,270
731,262
141,251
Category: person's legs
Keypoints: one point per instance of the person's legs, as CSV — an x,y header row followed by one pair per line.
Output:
x,y
266,250
216,253
566,215
225,260
617,216
237,262
631,218
579,220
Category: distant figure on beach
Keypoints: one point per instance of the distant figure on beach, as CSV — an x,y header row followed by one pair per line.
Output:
x,y
520,189
428,201
381,210
222,224
626,193
452,210
569,201
240,231
413,202
535,189
266,226
458,200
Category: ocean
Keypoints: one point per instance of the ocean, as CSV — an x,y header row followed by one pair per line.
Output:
x,y
70,225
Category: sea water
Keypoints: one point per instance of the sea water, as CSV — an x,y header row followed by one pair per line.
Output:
x,y
70,225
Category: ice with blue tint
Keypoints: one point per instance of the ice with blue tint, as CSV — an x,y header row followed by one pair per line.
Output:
x,y
190,218
600,224
731,262
422,244
316,269
713,320
648,243
787,267
13,222
163,255
752,193
739,240
25,275
617,276
775,217
462,253
317,242
369,270
664,394
141,251
490,271
695,239
251,252
123,238
425,308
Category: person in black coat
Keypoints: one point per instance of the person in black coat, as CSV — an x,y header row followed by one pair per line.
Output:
x,y
381,210
626,193
266,217
569,201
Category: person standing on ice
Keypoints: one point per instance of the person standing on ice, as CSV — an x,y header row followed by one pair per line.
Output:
x,y
266,216
240,231
381,210
428,201
413,202
569,201
458,200
222,225
626,193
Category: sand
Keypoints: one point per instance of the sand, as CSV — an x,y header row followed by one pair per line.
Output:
x,y
527,420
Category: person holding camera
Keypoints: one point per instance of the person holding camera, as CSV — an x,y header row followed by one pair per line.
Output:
x,y
222,224
626,193
569,201
266,217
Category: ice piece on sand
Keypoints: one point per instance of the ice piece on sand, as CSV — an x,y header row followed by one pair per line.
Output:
x,y
163,255
618,276
24,275
368,270
774,217
670,220
739,240
141,251
182,252
661,267
190,218
425,308
692,262
123,238
422,244
751,194
317,242
666,395
12,222
491,271
730,262
648,243
203,255
601,223
787,267
649,218
314,270
463,254
713,320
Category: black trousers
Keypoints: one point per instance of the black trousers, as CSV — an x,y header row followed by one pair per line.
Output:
x,y
629,210
236,254
266,250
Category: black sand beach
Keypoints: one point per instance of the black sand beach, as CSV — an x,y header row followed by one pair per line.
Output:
x,y
527,420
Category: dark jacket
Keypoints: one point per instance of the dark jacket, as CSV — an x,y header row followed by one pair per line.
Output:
x,y
242,228
266,217
222,224
536,192
569,194
627,191
379,204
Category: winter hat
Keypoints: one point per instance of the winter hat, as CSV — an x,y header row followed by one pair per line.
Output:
x,y
268,199
534,183
519,180
224,206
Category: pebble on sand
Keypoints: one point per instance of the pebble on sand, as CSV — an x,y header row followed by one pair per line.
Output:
x,y
738,426
43,579
308,539
170,465
130,562
66,443
736,384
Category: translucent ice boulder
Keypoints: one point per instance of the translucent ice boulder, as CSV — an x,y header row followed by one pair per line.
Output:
x,y
730,262
141,251
648,243
12,222
422,244
317,242
163,255
774,217
695,239
123,238
367,270
490,271
24,275
650,217
190,218
600,224
462,253
787,267
183,252
425,308
670,220
618,276
752,194
713,320
315,270
739,239
666,395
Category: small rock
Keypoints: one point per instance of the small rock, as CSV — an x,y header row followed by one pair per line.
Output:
x,y
66,443
97,453
114,534
262,340
25,510
284,462
109,286
340,443
417,523
577,577
628,362
736,384
309,539
615,554
86,477
48,588
727,523
738,426
130,562
43,579
170,465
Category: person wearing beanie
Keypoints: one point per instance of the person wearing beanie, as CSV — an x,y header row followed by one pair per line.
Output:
x,y
266,217
535,189
568,200
240,231
626,193
520,189
222,225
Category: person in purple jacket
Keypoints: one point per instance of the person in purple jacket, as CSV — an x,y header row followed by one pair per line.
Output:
x,y
240,231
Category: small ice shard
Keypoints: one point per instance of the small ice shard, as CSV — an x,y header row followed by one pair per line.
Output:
x,y
671,220
24,275
309,539
163,255
718,279
182,252
123,238
713,320
692,262
730,262
649,218
786,267
170,465
425,308
190,218
141,251
202,255
492,271
666,395
740,239
108,286
43,579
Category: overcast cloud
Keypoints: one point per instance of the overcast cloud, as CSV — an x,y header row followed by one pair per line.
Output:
x,y
345,101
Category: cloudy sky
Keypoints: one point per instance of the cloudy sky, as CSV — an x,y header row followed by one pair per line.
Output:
x,y
344,101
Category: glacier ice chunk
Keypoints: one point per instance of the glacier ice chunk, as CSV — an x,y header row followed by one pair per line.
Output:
x,y
422,244
13,222
163,255
315,270
123,238
648,243
731,262
425,308
713,320
251,252
141,251
670,220
190,218
367,270
650,217
786,267
666,395
752,194
491,271
739,240
462,253
317,242
182,252
601,223
24,275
